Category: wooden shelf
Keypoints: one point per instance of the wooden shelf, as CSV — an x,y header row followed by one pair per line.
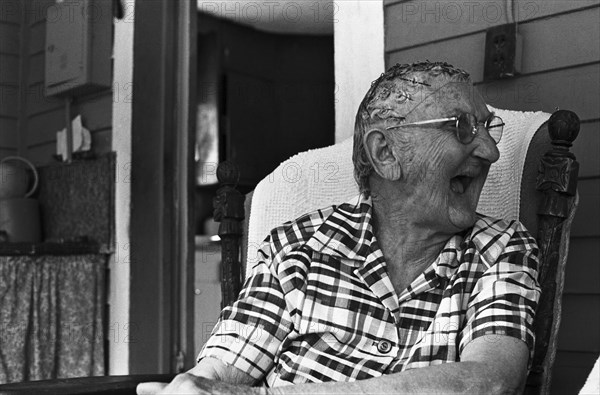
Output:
x,y
53,248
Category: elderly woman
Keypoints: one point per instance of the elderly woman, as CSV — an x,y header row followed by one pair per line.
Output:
x,y
405,289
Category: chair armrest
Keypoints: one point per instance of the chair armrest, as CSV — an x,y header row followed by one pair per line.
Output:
x,y
100,385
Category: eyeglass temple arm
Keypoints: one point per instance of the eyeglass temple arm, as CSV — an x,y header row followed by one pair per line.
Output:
x,y
497,126
422,122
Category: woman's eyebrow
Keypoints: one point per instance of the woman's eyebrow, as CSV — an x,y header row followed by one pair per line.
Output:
x,y
454,112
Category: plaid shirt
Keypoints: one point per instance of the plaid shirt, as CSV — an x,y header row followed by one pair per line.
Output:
x,y
320,306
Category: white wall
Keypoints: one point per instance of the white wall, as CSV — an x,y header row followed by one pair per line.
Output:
x,y
359,57
118,327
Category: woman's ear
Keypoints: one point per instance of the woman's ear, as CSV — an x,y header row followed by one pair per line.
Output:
x,y
381,155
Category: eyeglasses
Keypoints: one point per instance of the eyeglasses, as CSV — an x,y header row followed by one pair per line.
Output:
x,y
466,126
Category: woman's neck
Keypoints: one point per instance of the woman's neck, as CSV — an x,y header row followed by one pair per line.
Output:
x,y
404,241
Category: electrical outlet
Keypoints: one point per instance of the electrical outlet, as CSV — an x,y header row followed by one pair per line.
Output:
x,y
502,52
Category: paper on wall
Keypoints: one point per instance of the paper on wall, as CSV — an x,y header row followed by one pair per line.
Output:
x,y
82,139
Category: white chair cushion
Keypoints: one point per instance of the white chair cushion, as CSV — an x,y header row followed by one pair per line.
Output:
x,y
322,177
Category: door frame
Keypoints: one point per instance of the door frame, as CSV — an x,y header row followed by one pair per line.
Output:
x,y
162,176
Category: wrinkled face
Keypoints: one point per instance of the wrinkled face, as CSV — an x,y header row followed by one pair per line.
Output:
x,y
443,178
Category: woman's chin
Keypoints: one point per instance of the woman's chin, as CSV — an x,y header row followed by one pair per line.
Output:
x,y
463,219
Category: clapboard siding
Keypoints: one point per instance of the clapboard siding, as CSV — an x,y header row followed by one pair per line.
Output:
x,y
42,135
9,41
36,10
9,64
583,276
10,12
580,315
588,154
457,52
541,37
101,141
44,126
9,101
41,154
36,67
560,68
539,43
587,218
44,116
8,133
28,119
37,38
95,113
9,75
574,89
420,22
39,103
7,152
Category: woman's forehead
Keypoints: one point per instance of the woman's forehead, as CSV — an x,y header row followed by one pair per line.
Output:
x,y
399,99
452,98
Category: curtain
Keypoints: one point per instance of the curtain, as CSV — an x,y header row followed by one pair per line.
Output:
x,y
51,316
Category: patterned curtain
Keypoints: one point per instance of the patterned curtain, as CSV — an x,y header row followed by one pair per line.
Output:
x,y
51,316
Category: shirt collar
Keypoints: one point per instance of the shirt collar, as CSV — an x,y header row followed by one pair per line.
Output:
x,y
347,232
447,261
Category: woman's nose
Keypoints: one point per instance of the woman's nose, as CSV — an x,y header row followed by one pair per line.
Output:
x,y
486,147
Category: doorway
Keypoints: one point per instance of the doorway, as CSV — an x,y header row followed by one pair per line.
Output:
x,y
262,96
272,96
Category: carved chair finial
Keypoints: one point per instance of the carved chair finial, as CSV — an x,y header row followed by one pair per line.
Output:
x,y
563,127
558,169
228,173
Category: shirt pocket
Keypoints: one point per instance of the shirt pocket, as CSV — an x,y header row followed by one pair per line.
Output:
x,y
363,346
345,355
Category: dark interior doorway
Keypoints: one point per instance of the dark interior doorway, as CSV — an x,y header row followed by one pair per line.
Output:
x,y
263,97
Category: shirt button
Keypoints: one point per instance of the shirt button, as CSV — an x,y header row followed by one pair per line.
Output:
x,y
384,346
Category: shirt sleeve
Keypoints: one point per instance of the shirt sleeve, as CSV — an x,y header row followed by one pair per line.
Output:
x,y
504,299
249,332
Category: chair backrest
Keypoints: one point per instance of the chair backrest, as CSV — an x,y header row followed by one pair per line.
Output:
x,y
322,177
534,181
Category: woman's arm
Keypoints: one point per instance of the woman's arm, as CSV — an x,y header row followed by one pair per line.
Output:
x,y
492,364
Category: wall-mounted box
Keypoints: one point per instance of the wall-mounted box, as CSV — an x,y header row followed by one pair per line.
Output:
x,y
78,47
503,49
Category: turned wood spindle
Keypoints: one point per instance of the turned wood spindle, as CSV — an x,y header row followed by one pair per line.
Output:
x,y
229,211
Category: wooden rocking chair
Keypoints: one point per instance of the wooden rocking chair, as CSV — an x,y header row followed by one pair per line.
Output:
x,y
547,204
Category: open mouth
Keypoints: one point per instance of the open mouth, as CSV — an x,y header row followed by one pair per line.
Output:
x,y
460,183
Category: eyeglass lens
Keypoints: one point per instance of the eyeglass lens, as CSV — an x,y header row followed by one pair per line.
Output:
x,y
466,124
495,126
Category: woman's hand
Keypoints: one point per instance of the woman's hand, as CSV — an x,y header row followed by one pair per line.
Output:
x,y
209,376
187,383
